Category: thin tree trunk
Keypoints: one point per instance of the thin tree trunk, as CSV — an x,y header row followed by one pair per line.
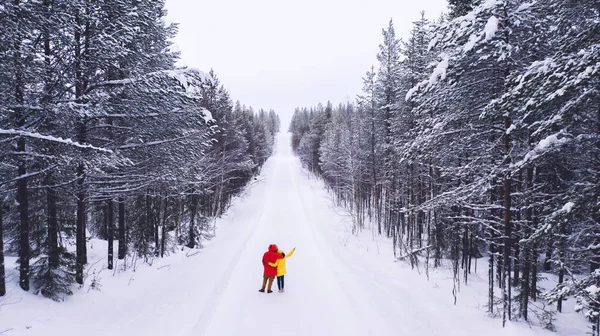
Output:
x,y
492,251
156,227
193,210
534,272
148,226
163,234
122,242
561,270
81,137
52,222
507,230
22,194
527,253
548,257
53,251
110,233
535,252
2,274
80,235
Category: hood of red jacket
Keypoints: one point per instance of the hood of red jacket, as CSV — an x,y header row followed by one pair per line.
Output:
x,y
272,248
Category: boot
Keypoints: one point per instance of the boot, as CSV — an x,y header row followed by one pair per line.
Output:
x,y
264,283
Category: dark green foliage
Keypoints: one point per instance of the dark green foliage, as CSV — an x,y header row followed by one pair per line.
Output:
x,y
54,281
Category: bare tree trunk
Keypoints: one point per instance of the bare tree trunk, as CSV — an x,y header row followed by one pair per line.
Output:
x,y
527,252
595,260
535,251
110,233
517,233
492,251
507,230
156,226
561,269
122,239
193,210
2,275
80,237
53,252
51,198
22,196
163,233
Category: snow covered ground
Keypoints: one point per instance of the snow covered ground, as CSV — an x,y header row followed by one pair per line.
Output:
x,y
337,283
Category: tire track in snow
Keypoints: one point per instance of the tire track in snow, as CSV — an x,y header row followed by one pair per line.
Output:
x,y
214,301
360,306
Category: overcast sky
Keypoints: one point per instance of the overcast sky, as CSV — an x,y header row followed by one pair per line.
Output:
x,y
282,54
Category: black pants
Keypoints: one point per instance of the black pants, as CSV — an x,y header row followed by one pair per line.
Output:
x,y
280,282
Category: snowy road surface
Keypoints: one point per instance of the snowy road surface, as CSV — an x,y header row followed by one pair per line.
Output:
x,y
332,288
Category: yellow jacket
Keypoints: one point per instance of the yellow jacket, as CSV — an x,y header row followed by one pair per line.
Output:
x,y
280,263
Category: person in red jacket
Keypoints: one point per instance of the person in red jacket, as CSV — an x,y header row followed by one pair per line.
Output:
x,y
270,272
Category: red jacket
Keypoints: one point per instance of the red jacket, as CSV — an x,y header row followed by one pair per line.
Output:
x,y
270,256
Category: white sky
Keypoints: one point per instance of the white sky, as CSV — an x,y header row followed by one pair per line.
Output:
x,y
282,54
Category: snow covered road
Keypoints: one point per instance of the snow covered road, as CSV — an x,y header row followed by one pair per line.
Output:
x,y
333,287
317,301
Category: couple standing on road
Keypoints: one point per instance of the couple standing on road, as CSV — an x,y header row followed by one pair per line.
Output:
x,y
274,264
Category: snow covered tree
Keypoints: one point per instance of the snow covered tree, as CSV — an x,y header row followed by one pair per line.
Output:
x,y
477,156
388,101
86,89
461,7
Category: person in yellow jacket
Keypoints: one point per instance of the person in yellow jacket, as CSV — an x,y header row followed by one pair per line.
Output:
x,y
281,270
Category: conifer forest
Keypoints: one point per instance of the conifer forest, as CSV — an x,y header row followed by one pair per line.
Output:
x,y
478,136
473,149
102,135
